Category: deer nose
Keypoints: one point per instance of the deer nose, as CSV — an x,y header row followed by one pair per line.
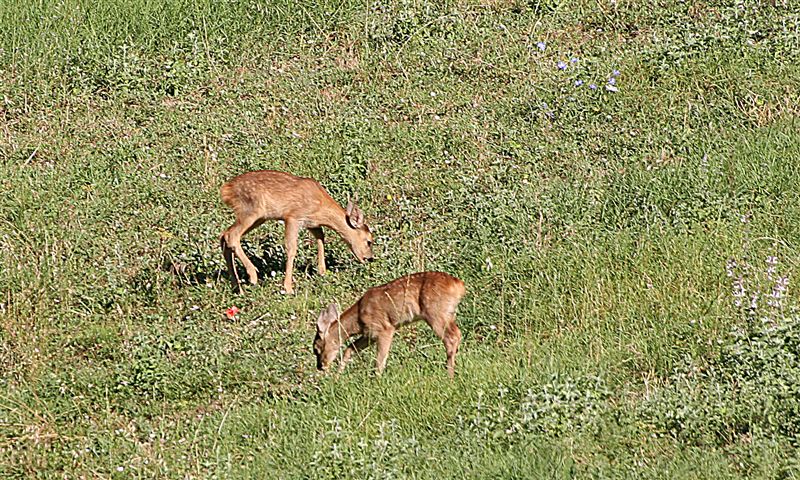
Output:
x,y
370,259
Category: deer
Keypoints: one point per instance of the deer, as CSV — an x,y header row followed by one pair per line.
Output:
x,y
299,202
430,296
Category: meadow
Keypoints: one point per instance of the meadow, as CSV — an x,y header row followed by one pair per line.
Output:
x,y
616,181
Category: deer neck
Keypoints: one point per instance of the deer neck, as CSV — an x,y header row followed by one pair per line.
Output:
x,y
348,322
336,219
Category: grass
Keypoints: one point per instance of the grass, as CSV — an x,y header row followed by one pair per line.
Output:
x,y
592,229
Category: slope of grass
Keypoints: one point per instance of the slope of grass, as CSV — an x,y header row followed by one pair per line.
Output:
x,y
592,227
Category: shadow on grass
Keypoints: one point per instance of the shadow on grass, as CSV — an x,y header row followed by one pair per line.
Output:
x,y
191,268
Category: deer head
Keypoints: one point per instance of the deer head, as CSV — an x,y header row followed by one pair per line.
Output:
x,y
328,339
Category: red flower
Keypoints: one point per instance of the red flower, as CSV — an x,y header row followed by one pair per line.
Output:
x,y
231,313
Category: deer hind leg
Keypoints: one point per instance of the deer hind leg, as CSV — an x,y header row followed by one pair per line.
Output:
x,y
231,245
360,344
227,252
452,340
290,237
444,326
384,341
318,234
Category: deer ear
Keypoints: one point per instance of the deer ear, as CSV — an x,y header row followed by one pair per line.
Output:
x,y
327,317
355,217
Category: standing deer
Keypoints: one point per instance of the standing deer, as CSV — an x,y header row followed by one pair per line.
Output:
x,y
301,203
431,296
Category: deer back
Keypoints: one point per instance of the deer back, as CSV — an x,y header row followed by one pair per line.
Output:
x,y
269,194
427,295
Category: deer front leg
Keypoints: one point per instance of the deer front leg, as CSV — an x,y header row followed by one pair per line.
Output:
x,y
320,236
291,251
355,347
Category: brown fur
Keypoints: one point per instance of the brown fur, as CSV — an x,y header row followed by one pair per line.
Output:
x,y
430,296
301,203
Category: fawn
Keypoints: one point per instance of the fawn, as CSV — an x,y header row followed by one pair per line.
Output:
x,y
301,203
432,296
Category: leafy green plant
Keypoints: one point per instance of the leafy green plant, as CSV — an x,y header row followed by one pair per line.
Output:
x,y
751,387
563,405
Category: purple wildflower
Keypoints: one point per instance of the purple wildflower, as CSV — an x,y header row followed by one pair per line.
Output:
x,y
738,288
578,82
729,267
615,73
771,271
778,292
612,81
562,65
593,86
547,112
573,60
541,45
781,286
773,303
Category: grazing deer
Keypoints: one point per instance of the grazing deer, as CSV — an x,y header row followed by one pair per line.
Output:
x,y
431,296
301,203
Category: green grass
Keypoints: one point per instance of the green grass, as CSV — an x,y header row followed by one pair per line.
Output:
x,y
592,229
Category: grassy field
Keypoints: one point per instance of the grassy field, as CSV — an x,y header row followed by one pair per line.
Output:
x,y
629,250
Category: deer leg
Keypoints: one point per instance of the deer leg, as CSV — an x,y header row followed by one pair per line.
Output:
x,y
227,252
445,327
231,241
320,236
384,341
291,251
452,340
355,347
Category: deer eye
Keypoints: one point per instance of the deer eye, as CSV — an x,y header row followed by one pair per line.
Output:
x,y
369,243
